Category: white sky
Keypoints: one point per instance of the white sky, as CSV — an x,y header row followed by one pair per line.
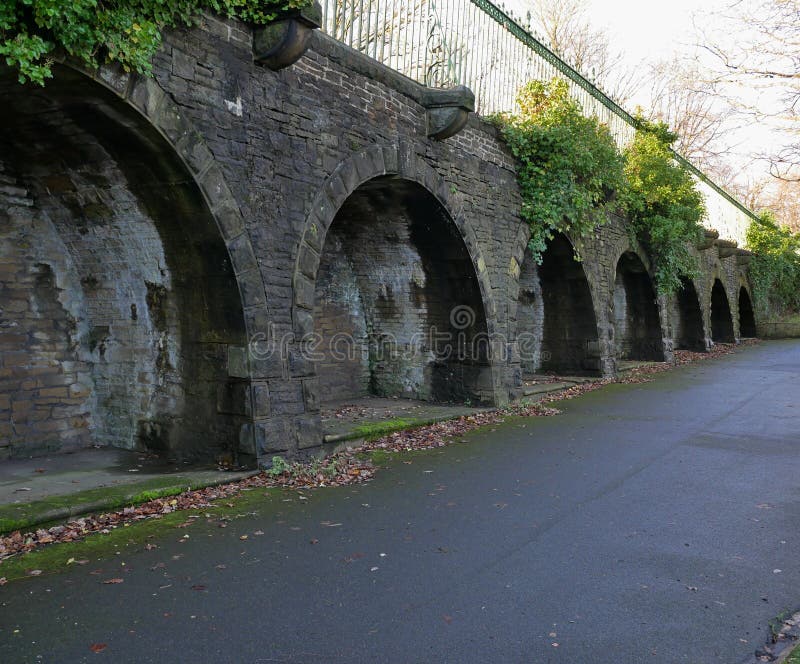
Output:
x,y
646,30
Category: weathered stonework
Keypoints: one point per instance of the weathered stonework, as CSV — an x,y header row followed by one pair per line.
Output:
x,y
171,247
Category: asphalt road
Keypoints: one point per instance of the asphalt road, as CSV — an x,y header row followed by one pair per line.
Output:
x,y
657,522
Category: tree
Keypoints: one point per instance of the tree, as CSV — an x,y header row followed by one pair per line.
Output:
x,y
568,166
664,205
93,31
690,105
565,28
755,59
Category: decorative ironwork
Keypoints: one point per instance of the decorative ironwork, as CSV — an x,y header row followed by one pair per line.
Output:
x,y
443,43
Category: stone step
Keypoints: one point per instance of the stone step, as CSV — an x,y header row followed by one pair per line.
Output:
x,y
13,191
18,201
545,388
629,365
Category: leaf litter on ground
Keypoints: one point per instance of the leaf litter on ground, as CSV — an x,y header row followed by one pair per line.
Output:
x,y
349,466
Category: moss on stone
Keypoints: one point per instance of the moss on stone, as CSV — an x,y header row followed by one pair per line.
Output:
x,y
373,430
130,538
59,508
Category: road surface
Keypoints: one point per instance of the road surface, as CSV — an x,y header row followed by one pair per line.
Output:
x,y
655,522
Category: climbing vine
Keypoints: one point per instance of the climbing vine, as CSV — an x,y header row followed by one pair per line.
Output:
x,y
129,32
775,266
663,204
568,164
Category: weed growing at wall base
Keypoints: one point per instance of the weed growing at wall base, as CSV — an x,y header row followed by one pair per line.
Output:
x,y
33,32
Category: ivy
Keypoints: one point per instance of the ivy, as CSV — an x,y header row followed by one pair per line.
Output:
x,y
129,32
664,207
568,165
775,266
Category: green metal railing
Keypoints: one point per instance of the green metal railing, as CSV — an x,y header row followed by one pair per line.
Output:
x,y
441,43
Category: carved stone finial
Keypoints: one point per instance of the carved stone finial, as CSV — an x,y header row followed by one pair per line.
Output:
x,y
710,237
727,248
283,42
447,111
743,257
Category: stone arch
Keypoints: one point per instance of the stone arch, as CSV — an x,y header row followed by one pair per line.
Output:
x,y
721,317
636,318
161,302
687,313
387,172
747,320
557,326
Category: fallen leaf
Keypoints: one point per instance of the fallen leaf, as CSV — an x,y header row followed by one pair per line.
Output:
x,y
198,587
34,572
111,581
98,647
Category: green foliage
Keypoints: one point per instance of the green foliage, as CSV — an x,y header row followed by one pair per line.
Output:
x,y
568,165
663,204
279,466
775,267
97,31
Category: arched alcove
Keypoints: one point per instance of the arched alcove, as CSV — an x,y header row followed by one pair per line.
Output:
x,y
397,305
747,319
556,322
637,325
721,319
120,302
688,319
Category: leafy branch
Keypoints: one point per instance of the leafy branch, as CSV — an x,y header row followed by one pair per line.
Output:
x,y
775,266
664,206
568,164
129,32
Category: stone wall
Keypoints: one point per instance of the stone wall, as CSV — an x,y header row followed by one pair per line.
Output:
x,y
203,236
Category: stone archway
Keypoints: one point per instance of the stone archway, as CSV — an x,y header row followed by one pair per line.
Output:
x,y
637,324
398,311
134,249
428,273
556,322
721,318
688,332
747,320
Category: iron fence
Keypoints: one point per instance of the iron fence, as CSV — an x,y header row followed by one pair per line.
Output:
x,y
442,43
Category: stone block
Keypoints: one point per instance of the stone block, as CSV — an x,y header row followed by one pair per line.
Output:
x,y
251,288
260,403
237,362
241,254
311,394
308,430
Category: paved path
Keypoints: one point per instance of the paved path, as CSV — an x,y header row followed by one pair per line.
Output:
x,y
647,523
